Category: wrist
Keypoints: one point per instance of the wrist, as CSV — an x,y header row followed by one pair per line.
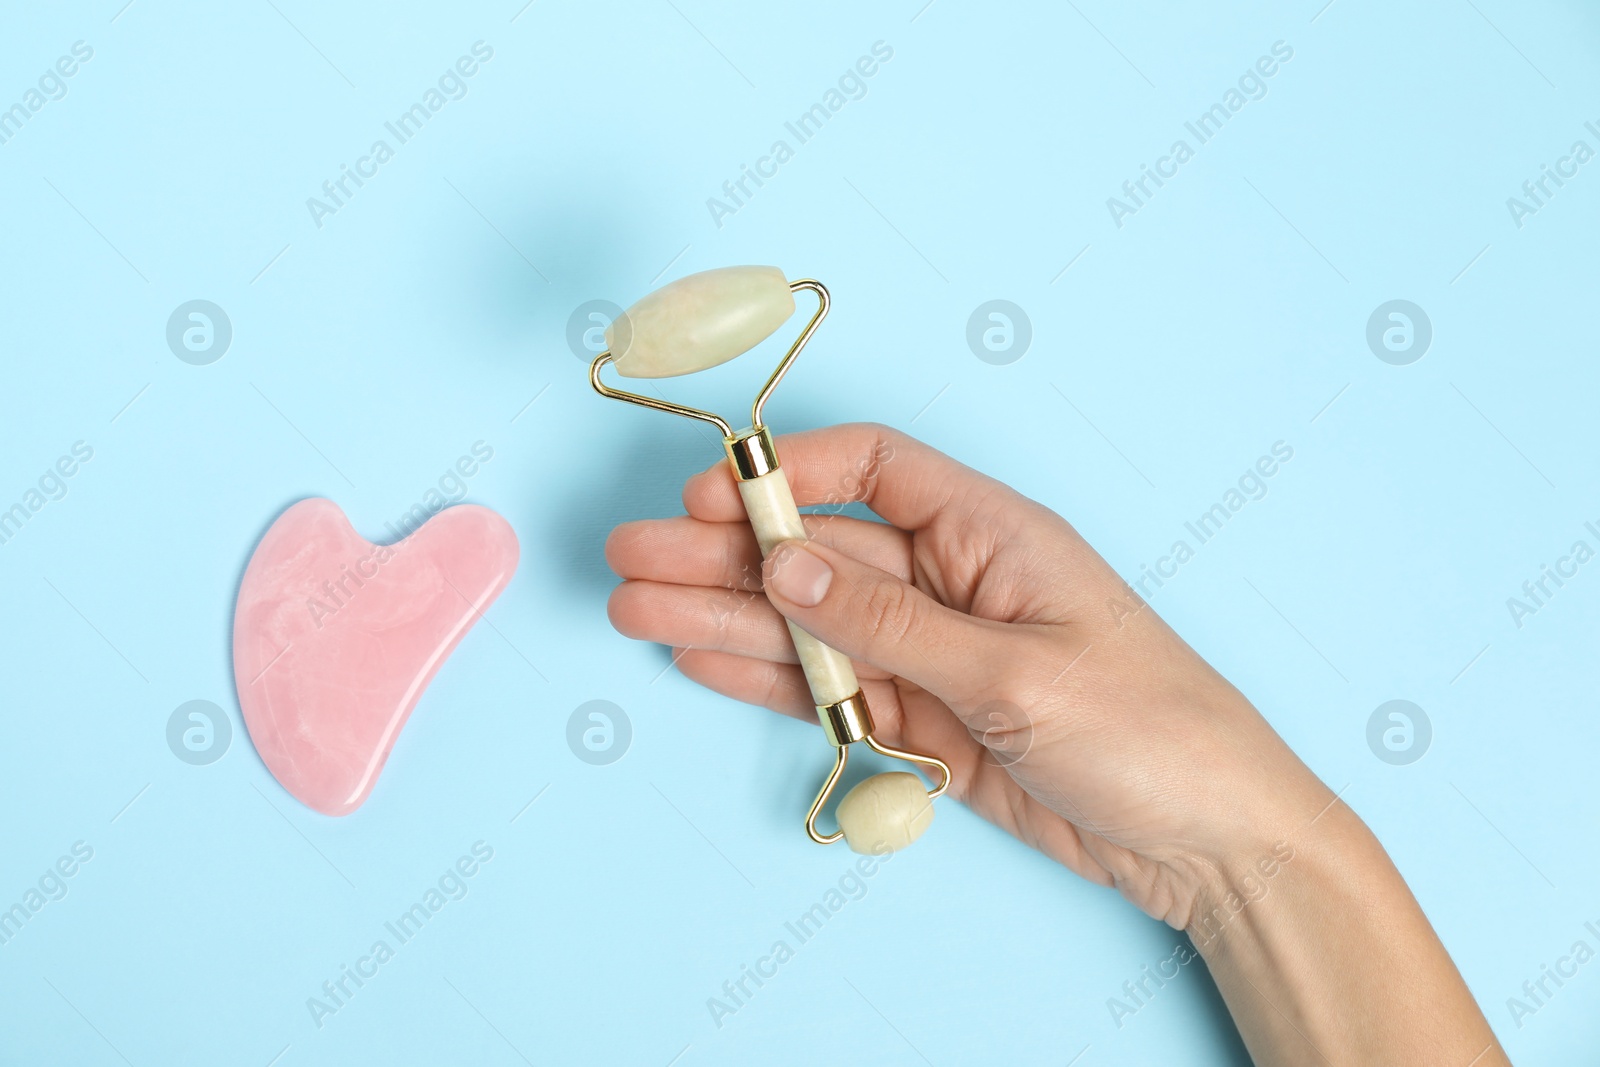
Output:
x,y
1256,820
1283,873
1232,851
1328,958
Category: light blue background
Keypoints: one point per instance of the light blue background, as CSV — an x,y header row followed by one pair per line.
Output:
x,y
424,316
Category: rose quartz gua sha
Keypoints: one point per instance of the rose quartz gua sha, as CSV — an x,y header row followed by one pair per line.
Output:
x,y
335,638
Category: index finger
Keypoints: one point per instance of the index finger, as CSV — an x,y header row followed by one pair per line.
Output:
x,y
903,480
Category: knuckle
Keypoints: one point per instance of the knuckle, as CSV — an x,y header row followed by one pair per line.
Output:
x,y
722,622
873,448
892,614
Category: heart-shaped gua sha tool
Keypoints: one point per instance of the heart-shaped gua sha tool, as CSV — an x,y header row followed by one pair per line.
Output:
x,y
335,638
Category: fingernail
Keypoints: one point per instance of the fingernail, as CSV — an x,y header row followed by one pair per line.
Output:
x,y
798,575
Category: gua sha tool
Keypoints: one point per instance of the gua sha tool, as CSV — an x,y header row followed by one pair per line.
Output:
x,y
335,638
705,320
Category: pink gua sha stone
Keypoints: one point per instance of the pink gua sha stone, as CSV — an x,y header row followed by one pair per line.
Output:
x,y
335,638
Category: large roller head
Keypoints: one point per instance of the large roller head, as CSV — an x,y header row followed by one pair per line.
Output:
x,y
699,321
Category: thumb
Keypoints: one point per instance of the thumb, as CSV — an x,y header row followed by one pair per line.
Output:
x,y
874,617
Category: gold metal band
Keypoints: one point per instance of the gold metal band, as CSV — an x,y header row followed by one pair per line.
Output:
x,y
752,453
847,721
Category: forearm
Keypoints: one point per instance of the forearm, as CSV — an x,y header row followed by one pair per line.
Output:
x,y
1333,961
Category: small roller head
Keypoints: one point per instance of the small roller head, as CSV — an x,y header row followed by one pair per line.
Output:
x,y
699,321
886,811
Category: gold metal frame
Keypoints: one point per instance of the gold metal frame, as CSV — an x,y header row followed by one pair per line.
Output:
x,y
843,724
751,454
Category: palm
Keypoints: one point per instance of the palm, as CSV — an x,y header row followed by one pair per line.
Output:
x,y
1066,765
1002,764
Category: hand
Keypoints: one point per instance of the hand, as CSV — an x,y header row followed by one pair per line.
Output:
x,y
985,631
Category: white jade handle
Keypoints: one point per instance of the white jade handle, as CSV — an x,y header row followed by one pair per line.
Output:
x,y
772,512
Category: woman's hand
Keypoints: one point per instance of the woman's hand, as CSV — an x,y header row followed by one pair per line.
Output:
x,y
986,632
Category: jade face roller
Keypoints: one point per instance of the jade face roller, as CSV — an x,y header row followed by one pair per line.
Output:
x,y
702,321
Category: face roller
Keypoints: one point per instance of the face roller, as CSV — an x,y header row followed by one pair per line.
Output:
x,y
702,321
